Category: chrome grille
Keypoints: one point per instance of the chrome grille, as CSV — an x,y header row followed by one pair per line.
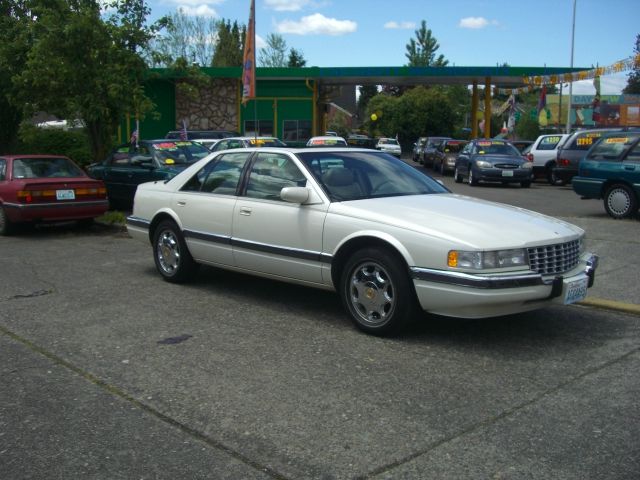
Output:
x,y
552,259
505,165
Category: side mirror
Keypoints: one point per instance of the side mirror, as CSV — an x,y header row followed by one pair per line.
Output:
x,y
294,194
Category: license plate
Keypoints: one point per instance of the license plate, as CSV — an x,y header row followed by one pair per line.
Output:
x,y
507,173
65,195
576,291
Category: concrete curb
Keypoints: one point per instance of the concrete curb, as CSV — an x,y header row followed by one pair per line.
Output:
x,y
631,308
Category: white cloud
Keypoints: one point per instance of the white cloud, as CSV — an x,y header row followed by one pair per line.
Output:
x,y
475,22
260,42
287,5
399,26
317,24
198,11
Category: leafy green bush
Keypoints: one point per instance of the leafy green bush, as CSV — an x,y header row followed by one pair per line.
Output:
x,y
73,144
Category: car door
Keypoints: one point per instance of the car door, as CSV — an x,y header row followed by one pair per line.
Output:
x,y
272,236
205,205
462,162
631,166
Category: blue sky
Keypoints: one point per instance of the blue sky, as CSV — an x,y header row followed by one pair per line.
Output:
x,y
336,33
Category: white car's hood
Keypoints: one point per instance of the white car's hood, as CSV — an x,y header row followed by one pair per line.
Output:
x,y
481,223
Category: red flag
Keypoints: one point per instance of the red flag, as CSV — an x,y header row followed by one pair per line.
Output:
x,y
249,58
595,116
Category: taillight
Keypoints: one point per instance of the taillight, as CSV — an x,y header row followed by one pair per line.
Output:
x,y
563,162
28,196
529,157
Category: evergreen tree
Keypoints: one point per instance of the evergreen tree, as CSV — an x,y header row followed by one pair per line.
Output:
x,y
296,59
273,55
229,45
633,83
421,52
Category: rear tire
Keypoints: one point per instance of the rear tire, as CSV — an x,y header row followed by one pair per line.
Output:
x,y
377,292
551,176
171,255
620,201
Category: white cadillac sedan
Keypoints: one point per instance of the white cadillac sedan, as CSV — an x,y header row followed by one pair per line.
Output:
x,y
388,238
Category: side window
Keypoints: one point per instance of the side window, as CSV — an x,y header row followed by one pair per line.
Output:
x,y
221,145
633,155
3,169
549,143
120,157
271,173
220,176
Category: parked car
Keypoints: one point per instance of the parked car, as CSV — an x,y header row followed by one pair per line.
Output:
x,y
446,154
492,161
389,145
428,153
244,142
128,165
389,239
543,153
611,171
359,140
417,148
327,141
47,188
201,134
571,151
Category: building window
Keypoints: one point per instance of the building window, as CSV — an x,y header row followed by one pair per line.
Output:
x,y
265,128
296,130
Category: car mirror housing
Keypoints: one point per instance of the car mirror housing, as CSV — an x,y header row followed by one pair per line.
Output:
x,y
295,194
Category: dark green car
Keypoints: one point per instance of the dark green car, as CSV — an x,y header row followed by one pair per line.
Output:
x,y
611,171
129,165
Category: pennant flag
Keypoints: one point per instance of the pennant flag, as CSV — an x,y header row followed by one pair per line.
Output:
x,y
183,133
542,102
249,58
595,116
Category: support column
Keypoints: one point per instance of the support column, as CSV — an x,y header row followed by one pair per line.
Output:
x,y
474,111
487,107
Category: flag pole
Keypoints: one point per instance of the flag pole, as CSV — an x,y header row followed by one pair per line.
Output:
x,y
573,35
249,67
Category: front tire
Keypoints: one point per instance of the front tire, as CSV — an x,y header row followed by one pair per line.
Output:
x,y
472,180
171,255
377,292
6,226
456,176
620,201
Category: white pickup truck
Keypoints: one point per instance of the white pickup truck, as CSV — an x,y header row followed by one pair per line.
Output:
x,y
543,153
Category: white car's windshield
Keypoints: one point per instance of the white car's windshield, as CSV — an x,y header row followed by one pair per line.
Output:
x,y
359,175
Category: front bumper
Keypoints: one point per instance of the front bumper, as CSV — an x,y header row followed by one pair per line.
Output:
x,y
502,175
466,295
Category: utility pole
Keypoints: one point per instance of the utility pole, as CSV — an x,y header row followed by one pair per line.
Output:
x,y
573,35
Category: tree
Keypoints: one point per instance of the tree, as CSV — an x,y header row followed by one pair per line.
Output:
x,y
15,19
274,53
189,37
633,83
421,52
229,47
81,66
296,58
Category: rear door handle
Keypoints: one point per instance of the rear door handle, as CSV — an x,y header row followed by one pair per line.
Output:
x,y
182,203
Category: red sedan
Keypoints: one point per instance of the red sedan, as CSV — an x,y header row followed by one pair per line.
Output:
x,y
47,188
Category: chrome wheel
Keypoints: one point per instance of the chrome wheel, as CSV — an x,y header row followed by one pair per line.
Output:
x,y
171,255
372,294
168,252
456,176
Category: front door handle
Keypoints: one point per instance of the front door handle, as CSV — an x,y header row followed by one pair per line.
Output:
x,y
245,211
182,203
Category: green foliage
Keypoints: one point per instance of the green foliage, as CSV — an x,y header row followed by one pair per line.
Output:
x,y
421,52
230,45
419,112
527,128
273,55
73,144
296,58
339,124
633,83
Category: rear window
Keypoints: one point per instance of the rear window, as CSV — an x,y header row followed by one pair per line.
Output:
x,y
45,168
452,147
584,141
549,143
612,147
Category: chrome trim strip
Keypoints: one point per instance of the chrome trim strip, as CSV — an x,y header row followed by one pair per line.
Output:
x,y
284,251
138,222
207,237
478,281
25,206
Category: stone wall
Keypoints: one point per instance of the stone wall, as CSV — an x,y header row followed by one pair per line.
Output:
x,y
214,107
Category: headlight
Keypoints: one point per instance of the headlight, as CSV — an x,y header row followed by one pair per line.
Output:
x,y
487,260
528,165
483,164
